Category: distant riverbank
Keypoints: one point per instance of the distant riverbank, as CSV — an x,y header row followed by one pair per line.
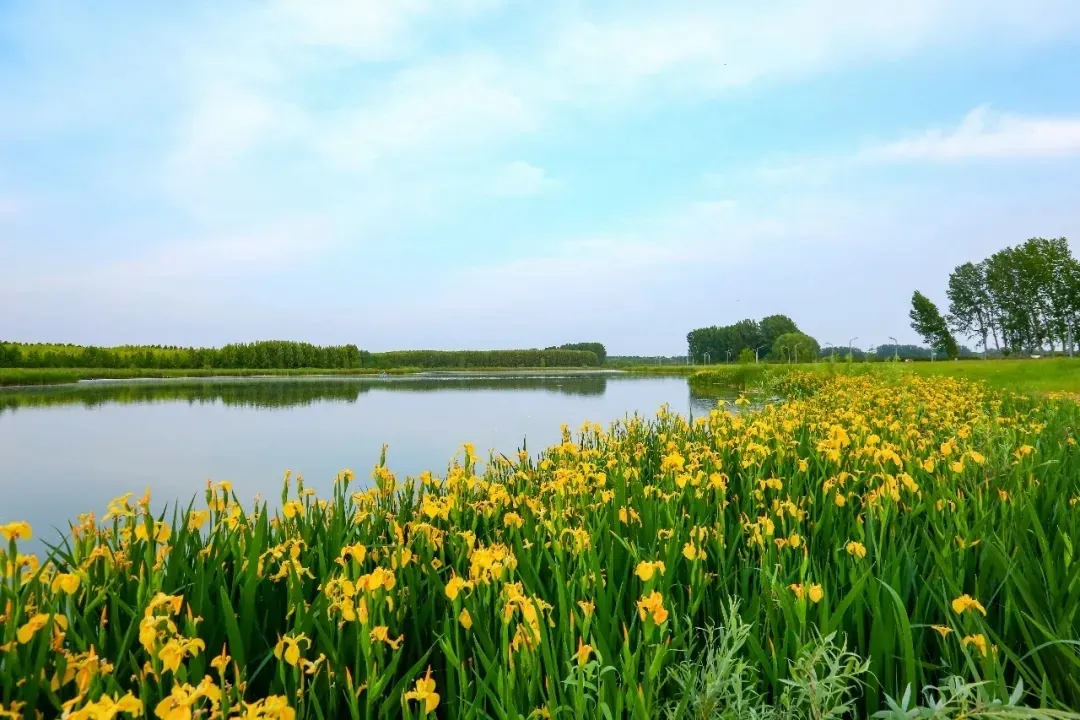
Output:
x,y
16,377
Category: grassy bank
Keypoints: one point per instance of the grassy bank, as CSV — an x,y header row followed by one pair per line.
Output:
x,y
869,538
670,370
1048,375
58,376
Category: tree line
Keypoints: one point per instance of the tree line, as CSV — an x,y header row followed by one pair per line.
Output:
x,y
775,337
256,355
1023,299
281,355
593,347
451,359
889,351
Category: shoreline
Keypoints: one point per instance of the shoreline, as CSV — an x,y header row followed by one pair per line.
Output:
x,y
24,378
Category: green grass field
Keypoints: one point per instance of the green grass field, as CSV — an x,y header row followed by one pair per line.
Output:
x,y
1027,376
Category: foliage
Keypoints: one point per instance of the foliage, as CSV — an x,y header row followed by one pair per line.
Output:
x,y
773,326
57,376
1024,297
718,681
741,377
796,347
1043,376
257,355
746,356
723,343
451,359
956,698
28,376
970,307
636,360
927,320
903,352
593,347
925,528
281,356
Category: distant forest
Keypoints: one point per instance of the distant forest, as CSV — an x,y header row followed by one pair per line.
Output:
x,y
286,355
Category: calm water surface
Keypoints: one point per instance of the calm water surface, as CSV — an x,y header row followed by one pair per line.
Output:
x,y
68,450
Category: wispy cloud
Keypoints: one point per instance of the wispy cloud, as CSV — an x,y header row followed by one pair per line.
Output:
x,y
520,179
709,47
986,134
186,140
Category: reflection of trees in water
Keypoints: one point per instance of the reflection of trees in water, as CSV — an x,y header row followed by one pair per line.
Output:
x,y
280,393
704,402
564,384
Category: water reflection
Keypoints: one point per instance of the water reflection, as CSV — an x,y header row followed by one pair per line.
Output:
x,y
272,393
67,450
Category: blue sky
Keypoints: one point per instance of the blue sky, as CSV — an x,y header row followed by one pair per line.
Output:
x,y
491,173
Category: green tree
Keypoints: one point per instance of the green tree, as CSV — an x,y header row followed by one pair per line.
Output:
x,y
594,347
746,356
796,347
772,327
970,303
926,320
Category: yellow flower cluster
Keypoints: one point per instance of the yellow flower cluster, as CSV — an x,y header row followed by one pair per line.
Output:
x,y
609,547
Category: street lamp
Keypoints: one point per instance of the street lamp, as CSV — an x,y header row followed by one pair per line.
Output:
x,y
850,344
728,356
707,357
896,349
756,352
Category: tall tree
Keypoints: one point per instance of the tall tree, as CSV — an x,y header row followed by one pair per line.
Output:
x,y
774,326
796,347
1054,262
1072,285
1011,297
970,304
926,320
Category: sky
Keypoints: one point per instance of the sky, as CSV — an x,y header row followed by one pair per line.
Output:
x,y
499,173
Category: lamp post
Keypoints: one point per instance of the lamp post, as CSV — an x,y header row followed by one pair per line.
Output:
x,y
850,345
756,353
896,348
707,357
728,356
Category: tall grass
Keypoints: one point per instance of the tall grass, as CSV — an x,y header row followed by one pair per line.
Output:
x,y
1046,375
884,536
21,376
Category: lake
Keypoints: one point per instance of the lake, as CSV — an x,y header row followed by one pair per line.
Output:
x,y
66,450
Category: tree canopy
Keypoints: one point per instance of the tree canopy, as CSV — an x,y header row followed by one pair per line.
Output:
x,y
721,343
1023,298
928,321
593,347
796,347
280,355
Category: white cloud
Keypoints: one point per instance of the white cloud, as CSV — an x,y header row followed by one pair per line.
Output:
x,y
369,29
226,122
439,105
520,179
709,47
365,122
985,134
447,107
